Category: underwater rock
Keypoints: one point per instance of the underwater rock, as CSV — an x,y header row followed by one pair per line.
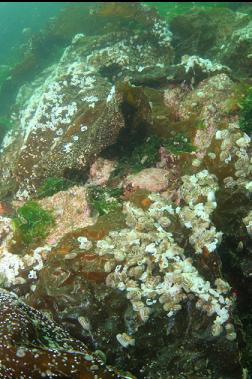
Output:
x,y
20,261
75,108
202,109
237,51
150,179
71,211
66,122
191,70
136,287
194,69
222,36
75,21
194,33
33,346
100,171
5,229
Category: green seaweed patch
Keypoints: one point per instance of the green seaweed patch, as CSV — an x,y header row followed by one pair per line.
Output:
x,y
246,113
105,199
143,155
179,144
201,125
147,154
31,222
238,93
53,185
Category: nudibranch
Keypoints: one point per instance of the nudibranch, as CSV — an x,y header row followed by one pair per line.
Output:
x,y
34,347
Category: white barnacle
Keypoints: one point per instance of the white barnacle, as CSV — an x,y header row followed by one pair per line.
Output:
x,y
217,329
125,340
218,134
111,94
83,128
118,268
84,322
85,244
121,286
90,99
151,249
78,37
59,132
67,147
20,353
32,274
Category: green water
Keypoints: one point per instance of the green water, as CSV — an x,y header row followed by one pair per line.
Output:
x,y
20,20
24,26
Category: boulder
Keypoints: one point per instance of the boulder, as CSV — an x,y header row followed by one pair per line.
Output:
x,y
132,288
222,36
71,211
75,108
100,171
150,179
24,354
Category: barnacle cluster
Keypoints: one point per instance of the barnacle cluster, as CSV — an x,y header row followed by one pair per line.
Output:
x,y
248,223
191,62
12,265
235,151
14,268
145,262
198,191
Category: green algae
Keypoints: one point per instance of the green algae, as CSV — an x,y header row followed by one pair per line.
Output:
x,y
146,154
201,125
104,199
179,144
143,155
246,113
53,185
31,222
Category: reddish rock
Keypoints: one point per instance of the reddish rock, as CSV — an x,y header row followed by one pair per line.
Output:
x,y
100,171
150,179
71,212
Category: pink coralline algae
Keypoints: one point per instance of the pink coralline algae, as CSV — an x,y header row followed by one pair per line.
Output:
x,y
100,171
71,211
150,179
